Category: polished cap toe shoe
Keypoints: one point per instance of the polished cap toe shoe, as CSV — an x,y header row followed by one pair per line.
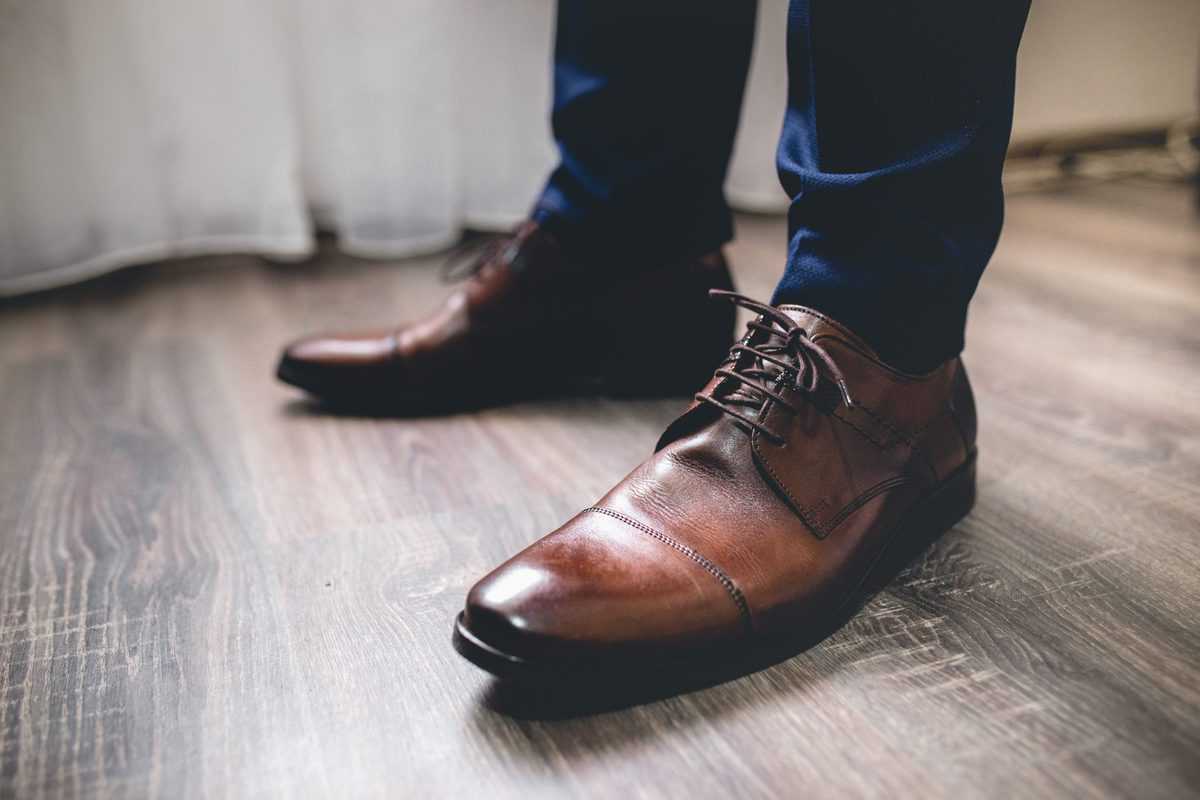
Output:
x,y
529,322
804,474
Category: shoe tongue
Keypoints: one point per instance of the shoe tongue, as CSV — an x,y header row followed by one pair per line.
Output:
x,y
816,324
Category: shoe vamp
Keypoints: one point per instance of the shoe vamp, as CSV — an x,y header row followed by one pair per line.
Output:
x,y
706,492
600,582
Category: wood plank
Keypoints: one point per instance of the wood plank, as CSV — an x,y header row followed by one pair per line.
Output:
x,y
208,589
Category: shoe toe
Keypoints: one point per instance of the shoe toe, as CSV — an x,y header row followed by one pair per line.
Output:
x,y
344,349
597,587
337,364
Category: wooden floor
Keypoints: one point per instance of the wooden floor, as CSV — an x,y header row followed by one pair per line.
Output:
x,y
206,589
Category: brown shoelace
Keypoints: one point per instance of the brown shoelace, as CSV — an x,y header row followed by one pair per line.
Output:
x,y
775,349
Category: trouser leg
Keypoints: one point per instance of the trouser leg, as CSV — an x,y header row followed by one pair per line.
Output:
x,y
897,122
646,102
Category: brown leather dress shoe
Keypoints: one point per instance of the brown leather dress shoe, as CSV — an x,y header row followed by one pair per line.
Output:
x,y
530,323
804,474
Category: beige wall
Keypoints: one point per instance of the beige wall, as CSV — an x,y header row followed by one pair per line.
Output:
x,y
1101,63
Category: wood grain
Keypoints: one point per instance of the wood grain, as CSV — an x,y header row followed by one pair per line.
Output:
x,y
206,589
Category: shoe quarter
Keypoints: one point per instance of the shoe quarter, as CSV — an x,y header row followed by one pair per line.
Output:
x,y
825,469
836,458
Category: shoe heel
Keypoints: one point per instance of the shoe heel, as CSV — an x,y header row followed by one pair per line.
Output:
x,y
950,502
924,525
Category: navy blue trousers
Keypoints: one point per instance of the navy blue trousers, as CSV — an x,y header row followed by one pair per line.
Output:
x,y
897,121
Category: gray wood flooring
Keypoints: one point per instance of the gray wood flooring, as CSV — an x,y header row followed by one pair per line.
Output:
x,y
206,589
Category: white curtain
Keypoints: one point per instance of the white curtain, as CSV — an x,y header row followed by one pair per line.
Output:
x,y
135,130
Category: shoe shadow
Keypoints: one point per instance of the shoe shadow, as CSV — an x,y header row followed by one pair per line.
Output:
x,y
580,722
566,698
446,408
311,407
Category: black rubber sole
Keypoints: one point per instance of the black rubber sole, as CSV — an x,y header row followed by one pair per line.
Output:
x,y
683,670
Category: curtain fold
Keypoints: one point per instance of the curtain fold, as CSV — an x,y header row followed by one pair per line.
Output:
x,y
136,130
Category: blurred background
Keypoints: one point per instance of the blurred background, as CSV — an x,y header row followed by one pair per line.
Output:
x,y
138,130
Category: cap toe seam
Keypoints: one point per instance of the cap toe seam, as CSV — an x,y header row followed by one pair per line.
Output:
x,y
731,588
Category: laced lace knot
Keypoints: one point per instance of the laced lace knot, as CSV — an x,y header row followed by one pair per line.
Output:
x,y
775,349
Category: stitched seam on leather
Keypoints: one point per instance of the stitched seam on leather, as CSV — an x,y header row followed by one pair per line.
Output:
x,y
862,499
917,449
797,506
726,582
875,415
909,439
867,436
837,519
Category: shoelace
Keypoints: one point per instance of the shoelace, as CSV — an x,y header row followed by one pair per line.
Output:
x,y
469,256
774,346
